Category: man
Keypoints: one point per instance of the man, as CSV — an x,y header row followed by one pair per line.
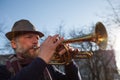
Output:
x,y
31,60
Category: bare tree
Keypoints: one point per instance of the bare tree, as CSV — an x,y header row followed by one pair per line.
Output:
x,y
100,65
115,15
4,48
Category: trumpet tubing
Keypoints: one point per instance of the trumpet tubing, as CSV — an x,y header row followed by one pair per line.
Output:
x,y
99,36
65,59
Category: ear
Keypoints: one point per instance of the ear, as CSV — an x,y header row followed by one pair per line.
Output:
x,y
13,44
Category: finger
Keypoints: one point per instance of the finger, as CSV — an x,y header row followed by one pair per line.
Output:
x,y
51,39
58,42
48,39
55,38
62,52
69,47
77,51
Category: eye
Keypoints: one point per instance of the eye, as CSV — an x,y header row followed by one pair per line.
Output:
x,y
37,37
28,36
32,36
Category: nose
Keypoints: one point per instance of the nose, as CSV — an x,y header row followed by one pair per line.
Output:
x,y
35,40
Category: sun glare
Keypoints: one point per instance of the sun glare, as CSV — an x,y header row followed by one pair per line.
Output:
x,y
117,51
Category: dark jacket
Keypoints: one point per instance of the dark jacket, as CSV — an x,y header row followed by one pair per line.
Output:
x,y
34,71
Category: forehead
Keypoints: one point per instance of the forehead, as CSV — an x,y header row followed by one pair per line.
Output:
x,y
28,34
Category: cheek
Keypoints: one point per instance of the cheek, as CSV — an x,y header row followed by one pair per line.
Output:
x,y
26,44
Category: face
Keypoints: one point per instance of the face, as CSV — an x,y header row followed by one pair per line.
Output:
x,y
24,44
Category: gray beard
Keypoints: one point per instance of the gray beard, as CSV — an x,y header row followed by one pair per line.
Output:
x,y
23,53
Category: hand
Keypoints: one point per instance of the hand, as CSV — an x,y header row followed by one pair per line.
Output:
x,y
48,47
62,49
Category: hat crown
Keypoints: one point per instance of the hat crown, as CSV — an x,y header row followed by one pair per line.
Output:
x,y
23,25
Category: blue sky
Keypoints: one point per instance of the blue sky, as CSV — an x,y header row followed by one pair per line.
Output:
x,y
51,13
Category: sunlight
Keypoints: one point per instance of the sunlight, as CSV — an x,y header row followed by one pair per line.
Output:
x,y
117,51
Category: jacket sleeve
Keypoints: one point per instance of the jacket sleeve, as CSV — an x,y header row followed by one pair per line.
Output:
x,y
32,71
71,72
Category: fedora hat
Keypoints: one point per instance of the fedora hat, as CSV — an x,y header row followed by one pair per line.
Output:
x,y
22,27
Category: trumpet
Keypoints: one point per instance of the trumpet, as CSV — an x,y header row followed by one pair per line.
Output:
x,y
99,36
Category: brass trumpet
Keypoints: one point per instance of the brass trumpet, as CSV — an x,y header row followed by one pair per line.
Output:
x,y
99,36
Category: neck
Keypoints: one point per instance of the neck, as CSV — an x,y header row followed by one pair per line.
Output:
x,y
24,60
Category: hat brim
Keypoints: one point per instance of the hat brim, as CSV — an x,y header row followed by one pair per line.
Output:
x,y
11,35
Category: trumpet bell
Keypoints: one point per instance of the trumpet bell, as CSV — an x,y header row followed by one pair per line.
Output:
x,y
101,36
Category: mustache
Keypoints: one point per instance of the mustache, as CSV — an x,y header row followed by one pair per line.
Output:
x,y
34,47
30,48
